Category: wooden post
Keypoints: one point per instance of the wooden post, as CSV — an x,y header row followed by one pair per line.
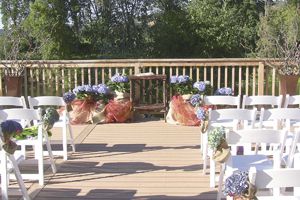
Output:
x,y
261,78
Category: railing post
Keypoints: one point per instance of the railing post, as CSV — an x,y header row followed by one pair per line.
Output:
x,y
261,78
25,83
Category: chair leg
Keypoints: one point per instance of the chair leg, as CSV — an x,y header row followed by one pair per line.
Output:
x,y
65,142
39,153
212,173
71,138
19,178
4,174
51,157
221,177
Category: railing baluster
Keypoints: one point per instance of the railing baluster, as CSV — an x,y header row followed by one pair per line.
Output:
x,y
254,82
219,76
226,76
247,81
240,80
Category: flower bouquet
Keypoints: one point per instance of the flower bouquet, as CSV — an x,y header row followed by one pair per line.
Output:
x,y
217,142
239,187
9,129
88,99
120,84
202,114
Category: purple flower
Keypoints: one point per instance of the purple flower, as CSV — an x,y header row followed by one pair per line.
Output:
x,y
223,91
200,85
173,79
201,113
69,97
102,89
119,78
183,79
195,99
236,184
88,88
11,127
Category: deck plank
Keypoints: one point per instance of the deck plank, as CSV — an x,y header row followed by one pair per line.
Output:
x,y
146,160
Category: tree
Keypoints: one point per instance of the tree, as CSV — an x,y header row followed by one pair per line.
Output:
x,y
224,28
49,19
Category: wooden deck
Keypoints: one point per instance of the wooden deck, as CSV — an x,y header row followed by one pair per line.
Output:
x,y
145,160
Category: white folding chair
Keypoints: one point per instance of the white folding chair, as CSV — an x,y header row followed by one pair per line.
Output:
x,y
232,119
273,179
260,161
8,165
231,101
64,121
37,143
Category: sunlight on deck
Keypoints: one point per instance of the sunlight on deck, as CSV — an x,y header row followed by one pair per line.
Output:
x,y
146,160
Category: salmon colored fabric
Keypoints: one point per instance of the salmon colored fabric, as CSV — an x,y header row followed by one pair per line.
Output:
x,y
184,112
82,111
118,111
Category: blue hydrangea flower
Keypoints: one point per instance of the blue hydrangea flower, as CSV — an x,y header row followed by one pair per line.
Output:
x,y
69,97
201,113
119,78
236,184
223,91
102,89
200,85
173,79
88,88
195,99
183,79
11,127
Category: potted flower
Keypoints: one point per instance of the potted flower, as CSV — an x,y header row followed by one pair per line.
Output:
x,y
217,142
182,85
238,187
120,84
279,43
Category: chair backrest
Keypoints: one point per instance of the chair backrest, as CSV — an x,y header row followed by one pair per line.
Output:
x,y
45,101
233,101
279,116
264,100
21,114
237,116
257,136
13,101
291,100
276,178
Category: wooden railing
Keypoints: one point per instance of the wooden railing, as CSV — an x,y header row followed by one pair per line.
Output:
x,y
244,76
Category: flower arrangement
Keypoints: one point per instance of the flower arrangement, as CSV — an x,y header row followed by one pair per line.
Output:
x,y
9,129
202,114
119,83
225,91
238,185
182,84
92,93
215,137
203,87
216,140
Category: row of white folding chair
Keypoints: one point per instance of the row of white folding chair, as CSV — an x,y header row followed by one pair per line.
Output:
x,y
245,161
37,143
9,165
64,121
232,119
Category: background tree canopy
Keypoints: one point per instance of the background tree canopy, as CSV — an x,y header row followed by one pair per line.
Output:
x,y
80,29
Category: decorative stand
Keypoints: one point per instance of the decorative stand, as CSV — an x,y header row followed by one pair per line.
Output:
x,y
146,93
